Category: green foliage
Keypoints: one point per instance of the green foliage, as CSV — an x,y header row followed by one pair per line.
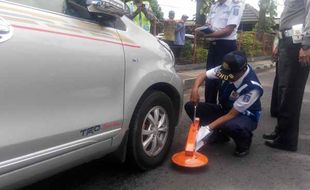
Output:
x,y
249,44
156,9
201,55
267,14
187,51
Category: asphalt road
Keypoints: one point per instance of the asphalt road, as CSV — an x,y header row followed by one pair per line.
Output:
x,y
263,168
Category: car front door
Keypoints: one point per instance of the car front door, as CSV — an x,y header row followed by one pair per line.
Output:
x,y
61,83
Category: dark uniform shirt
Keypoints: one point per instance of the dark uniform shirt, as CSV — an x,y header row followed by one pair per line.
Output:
x,y
243,94
297,12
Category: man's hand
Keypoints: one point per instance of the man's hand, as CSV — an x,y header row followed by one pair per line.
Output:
x,y
198,30
195,97
203,133
139,8
143,8
195,89
304,57
148,12
275,54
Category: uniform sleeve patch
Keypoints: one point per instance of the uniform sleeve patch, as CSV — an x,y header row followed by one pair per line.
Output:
x,y
236,11
246,98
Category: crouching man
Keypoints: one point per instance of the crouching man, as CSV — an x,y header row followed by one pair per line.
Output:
x,y
237,114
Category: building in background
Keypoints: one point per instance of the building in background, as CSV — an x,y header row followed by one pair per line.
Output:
x,y
249,18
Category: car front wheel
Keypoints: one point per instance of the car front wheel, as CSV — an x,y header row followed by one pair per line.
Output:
x,y
151,130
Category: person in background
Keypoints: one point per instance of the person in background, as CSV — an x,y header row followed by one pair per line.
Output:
x,y
293,71
170,26
238,111
180,35
141,13
224,18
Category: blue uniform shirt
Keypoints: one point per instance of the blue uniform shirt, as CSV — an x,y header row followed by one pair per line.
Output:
x,y
180,34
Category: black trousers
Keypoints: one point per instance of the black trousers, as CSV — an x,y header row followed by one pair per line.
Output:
x,y
216,52
173,47
291,85
239,129
178,50
274,107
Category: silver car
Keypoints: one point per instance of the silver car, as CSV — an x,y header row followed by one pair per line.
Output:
x,y
79,80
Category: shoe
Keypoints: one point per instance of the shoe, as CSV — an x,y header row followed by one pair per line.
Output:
x,y
270,136
241,152
277,145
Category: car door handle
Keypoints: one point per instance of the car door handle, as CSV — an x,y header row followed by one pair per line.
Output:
x,y
6,30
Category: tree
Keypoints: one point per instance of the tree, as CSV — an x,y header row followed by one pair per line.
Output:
x,y
267,13
202,9
156,9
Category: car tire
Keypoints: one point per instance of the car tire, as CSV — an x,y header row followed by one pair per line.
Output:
x,y
151,131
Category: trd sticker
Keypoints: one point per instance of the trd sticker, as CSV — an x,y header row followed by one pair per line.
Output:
x,y
91,130
95,129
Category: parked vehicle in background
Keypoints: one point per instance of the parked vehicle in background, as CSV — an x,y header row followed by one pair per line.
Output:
x,y
79,80
187,36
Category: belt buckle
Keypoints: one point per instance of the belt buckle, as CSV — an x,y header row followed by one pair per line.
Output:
x,y
288,33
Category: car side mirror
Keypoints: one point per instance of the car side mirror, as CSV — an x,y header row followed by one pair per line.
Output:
x,y
109,7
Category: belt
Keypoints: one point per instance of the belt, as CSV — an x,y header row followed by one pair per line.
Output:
x,y
214,42
285,33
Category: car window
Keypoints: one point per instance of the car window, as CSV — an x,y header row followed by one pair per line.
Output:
x,y
75,8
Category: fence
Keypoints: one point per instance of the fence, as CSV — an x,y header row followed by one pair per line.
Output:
x,y
251,43
255,44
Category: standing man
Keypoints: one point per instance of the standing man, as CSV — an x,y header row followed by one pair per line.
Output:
x,y
224,18
141,13
294,62
180,35
170,26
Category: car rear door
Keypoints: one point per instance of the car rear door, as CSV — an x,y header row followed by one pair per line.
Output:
x,y
61,84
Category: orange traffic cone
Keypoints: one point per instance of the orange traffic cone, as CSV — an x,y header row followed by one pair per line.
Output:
x,y
190,158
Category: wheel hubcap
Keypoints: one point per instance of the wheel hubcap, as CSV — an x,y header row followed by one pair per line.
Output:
x,y
155,131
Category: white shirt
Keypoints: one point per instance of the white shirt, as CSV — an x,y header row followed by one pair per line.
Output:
x,y
228,13
244,101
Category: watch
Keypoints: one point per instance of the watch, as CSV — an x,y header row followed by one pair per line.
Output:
x,y
305,47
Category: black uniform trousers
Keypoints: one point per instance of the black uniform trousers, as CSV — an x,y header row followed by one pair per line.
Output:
x,y
239,128
216,52
274,107
292,78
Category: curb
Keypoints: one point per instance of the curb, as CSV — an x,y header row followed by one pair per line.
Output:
x,y
261,68
188,82
197,66
187,67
